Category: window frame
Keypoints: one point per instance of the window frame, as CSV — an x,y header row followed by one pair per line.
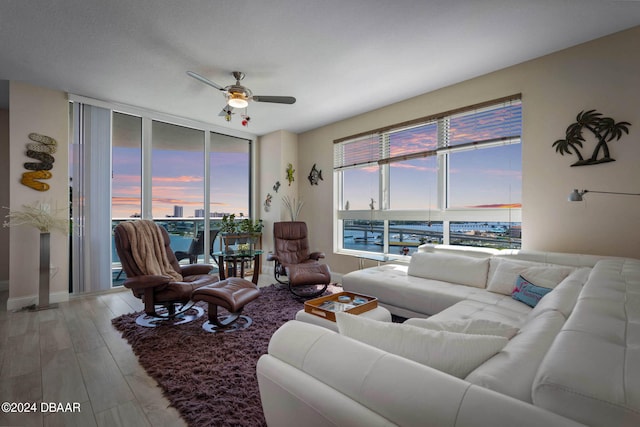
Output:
x,y
443,212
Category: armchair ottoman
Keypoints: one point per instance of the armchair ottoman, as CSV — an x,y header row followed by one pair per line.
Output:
x,y
231,294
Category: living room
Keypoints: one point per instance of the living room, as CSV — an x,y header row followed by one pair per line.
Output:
x,y
568,80
599,74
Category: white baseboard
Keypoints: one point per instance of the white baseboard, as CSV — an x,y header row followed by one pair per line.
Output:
x,y
19,303
267,269
336,277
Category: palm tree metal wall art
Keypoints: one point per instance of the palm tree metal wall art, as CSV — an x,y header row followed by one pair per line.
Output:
x,y
605,129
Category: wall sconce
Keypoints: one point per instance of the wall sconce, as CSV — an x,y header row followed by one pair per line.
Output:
x,y
576,196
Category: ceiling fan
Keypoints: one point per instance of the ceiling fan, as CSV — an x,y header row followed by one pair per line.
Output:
x,y
238,96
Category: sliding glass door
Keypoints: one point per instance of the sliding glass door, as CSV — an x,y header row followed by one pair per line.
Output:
x,y
127,166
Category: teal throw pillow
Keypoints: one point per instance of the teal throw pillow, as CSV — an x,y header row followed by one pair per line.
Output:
x,y
527,292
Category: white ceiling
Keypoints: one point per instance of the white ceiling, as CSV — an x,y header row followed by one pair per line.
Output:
x,y
339,58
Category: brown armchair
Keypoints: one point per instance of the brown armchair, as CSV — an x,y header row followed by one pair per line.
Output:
x,y
167,294
305,276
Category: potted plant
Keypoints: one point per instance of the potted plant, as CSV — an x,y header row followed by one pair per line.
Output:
x,y
251,228
228,224
242,232
228,230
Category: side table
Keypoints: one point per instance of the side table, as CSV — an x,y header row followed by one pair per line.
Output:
x,y
233,258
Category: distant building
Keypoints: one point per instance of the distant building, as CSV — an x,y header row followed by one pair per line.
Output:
x,y
178,212
199,213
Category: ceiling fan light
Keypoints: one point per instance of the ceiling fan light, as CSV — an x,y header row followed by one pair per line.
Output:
x,y
237,100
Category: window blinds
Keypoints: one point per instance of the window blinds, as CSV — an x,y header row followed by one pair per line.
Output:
x,y
358,152
492,123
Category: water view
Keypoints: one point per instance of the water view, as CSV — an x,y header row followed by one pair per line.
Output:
x,y
406,236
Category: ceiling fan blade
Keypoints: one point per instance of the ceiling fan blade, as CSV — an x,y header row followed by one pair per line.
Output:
x,y
204,80
275,99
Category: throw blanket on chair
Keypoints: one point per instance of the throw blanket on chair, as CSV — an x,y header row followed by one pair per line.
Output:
x,y
148,250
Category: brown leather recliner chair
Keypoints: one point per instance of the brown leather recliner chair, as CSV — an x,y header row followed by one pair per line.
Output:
x,y
164,297
293,259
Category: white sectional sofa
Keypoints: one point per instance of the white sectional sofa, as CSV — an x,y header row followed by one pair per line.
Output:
x,y
575,359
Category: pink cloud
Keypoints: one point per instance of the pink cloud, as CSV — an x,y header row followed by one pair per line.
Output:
x,y
171,201
182,179
126,191
125,201
127,179
403,165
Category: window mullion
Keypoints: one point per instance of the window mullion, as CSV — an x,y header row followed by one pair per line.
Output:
x,y
147,177
384,173
207,193
443,165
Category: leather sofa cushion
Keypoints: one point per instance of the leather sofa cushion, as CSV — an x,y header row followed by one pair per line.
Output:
x,y
515,313
557,258
459,269
503,274
466,326
454,353
564,297
591,372
392,285
514,368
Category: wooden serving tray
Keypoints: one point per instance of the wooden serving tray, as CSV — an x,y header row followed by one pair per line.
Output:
x,y
326,307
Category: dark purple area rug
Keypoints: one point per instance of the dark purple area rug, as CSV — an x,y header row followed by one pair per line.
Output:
x,y
211,378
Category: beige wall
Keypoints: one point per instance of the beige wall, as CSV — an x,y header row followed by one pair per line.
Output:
x,y
599,75
4,197
44,111
275,151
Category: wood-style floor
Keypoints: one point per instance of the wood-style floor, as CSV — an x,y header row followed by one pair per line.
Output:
x,y
72,354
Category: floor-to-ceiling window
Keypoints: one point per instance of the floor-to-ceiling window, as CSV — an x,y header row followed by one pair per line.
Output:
x,y
177,182
452,178
126,176
177,169
230,179
230,175
126,165
166,170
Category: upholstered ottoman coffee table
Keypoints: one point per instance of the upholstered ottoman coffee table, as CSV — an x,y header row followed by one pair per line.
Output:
x,y
378,313
321,311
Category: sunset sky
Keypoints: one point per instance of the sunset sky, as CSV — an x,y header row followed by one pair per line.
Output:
x,y
478,177
178,179
487,177
177,168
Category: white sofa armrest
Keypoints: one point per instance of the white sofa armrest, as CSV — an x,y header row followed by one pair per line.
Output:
x,y
289,395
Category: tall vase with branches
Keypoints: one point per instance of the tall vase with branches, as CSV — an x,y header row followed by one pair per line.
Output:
x,y
46,219
294,206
